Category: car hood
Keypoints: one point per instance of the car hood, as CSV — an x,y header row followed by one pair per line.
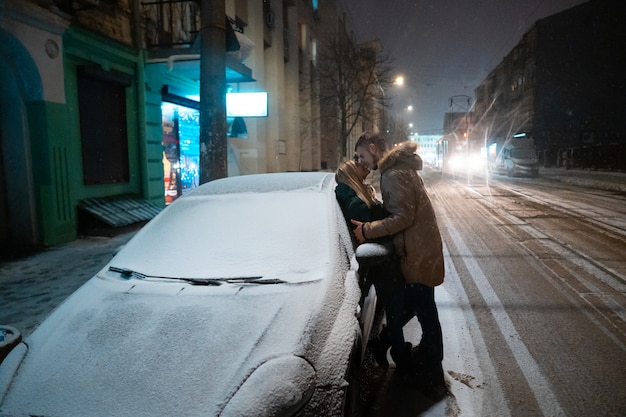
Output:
x,y
140,348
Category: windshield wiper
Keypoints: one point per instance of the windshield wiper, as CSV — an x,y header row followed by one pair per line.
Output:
x,y
129,273
253,280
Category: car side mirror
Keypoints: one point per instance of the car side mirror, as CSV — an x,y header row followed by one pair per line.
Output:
x,y
370,254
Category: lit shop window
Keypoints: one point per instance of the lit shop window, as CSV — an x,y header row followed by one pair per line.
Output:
x,y
181,150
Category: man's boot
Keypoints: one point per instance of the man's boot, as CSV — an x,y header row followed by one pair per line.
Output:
x,y
401,355
430,380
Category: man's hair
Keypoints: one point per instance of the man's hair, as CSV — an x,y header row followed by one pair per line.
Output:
x,y
376,138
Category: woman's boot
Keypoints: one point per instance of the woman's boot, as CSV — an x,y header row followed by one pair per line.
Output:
x,y
379,347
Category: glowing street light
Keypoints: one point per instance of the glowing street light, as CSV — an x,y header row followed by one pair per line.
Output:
x,y
410,108
399,80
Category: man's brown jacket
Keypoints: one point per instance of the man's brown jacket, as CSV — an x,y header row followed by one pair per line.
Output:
x,y
412,221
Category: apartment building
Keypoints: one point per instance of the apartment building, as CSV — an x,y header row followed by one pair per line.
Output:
x,y
563,86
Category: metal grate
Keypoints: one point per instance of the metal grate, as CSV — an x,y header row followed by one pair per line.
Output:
x,y
120,211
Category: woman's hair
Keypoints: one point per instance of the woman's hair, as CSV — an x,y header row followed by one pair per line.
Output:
x,y
348,173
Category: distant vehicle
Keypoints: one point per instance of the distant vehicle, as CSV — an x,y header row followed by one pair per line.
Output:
x,y
241,298
513,156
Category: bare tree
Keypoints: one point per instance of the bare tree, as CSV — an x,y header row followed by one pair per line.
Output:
x,y
353,81
397,131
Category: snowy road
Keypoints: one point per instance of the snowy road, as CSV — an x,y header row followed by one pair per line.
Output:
x,y
534,304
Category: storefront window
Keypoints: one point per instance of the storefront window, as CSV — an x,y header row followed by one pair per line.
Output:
x,y
181,150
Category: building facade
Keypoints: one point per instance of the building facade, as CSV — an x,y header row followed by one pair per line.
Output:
x,y
563,86
101,102
427,147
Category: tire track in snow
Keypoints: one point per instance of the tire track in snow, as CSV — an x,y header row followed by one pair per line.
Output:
x,y
478,360
539,385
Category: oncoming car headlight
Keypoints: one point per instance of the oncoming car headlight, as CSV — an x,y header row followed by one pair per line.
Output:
x,y
279,387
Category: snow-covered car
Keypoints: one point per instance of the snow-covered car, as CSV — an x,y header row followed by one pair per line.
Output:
x,y
239,299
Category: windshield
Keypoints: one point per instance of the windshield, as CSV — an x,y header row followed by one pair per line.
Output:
x,y
282,235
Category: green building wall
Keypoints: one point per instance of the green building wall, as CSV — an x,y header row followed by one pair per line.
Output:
x,y
52,171
52,138
57,154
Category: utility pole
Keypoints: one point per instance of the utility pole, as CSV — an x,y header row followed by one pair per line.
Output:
x,y
213,128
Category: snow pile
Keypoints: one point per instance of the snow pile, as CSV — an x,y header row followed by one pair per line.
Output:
x,y
372,250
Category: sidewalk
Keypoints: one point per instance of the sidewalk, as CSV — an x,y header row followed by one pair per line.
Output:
x,y
603,180
31,287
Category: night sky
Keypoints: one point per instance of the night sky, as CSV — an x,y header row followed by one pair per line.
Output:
x,y
444,48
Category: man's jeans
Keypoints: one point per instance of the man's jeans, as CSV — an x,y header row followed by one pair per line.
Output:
x,y
420,300
394,303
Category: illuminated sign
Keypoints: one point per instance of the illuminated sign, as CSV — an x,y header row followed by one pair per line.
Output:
x,y
248,104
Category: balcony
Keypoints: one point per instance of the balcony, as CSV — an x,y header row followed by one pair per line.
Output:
x,y
172,39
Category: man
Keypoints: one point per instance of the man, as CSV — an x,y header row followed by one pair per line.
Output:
x,y
417,241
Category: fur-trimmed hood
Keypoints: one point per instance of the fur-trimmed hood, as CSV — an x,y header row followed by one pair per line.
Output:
x,y
402,156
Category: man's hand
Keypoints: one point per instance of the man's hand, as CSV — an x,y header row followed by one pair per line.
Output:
x,y
358,231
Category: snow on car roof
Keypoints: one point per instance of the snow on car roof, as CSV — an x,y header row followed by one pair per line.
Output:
x,y
261,183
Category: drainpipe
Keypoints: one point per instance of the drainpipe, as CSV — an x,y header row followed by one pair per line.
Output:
x,y
136,27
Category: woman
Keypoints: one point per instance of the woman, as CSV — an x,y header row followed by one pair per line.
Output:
x,y
358,201
356,197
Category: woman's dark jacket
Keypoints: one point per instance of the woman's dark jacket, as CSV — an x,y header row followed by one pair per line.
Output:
x,y
355,208
386,277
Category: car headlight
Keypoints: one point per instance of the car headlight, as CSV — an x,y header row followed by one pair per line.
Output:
x,y
9,366
279,387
